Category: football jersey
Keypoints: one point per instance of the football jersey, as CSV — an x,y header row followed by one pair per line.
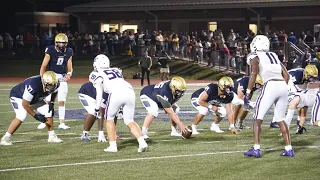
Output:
x,y
269,65
31,90
213,97
161,89
241,83
58,60
296,75
89,90
112,80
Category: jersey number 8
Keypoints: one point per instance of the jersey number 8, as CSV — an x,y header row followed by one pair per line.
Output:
x,y
60,61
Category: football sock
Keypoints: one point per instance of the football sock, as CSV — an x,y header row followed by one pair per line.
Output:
x,y
289,117
62,111
113,143
101,133
256,146
144,129
141,140
51,133
7,134
288,147
173,129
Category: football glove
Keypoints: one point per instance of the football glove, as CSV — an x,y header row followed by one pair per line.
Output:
x,y
40,118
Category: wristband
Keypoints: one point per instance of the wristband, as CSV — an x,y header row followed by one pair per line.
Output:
x,y
70,73
210,106
248,91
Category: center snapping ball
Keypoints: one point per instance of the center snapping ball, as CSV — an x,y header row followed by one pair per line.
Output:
x,y
188,133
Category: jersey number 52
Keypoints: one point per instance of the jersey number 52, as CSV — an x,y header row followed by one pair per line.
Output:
x,y
113,73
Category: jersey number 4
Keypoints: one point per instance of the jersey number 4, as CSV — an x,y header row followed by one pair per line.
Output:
x,y
113,73
271,58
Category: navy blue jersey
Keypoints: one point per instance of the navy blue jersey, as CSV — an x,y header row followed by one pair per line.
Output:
x,y
32,85
58,60
89,90
297,75
161,89
213,97
241,83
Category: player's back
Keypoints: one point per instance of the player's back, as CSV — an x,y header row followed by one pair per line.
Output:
x,y
113,80
269,66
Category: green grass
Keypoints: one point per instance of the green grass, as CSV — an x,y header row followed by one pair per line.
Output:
x,y
204,156
188,70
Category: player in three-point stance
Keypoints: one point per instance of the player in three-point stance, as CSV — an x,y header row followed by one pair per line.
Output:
x,y
121,94
163,95
211,99
29,97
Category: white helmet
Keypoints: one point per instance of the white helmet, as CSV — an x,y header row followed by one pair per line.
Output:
x,y
260,43
101,62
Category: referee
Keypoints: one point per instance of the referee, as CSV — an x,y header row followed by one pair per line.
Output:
x,y
164,66
145,63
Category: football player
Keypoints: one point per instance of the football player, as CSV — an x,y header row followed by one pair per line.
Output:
x,y
58,58
121,94
275,91
302,98
163,95
211,99
87,95
240,88
28,97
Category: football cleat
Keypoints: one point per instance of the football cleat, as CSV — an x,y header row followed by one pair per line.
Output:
x,y
253,153
274,125
6,141
175,134
143,147
301,129
289,153
85,137
54,139
216,128
111,149
41,126
63,126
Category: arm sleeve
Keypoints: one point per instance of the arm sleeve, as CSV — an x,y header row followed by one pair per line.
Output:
x,y
99,90
164,102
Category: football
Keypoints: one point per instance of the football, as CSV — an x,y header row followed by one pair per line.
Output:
x,y
188,134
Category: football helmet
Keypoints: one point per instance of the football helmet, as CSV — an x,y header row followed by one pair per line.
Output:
x,y
310,73
258,82
101,62
61,42
49,81
178,86
225,84
260,43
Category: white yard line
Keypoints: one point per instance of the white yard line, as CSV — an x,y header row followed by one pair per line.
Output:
x,y
119,160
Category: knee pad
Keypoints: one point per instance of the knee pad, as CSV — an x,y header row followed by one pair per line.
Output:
x,y
126,121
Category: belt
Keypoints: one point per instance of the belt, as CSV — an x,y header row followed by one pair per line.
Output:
x,y
276,80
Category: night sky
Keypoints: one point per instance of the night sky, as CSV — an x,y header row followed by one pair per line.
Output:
x,y
7,13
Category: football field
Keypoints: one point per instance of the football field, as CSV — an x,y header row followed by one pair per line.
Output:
x,y
205,156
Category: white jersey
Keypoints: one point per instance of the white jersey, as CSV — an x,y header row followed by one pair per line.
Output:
x,y
112,80
269,65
